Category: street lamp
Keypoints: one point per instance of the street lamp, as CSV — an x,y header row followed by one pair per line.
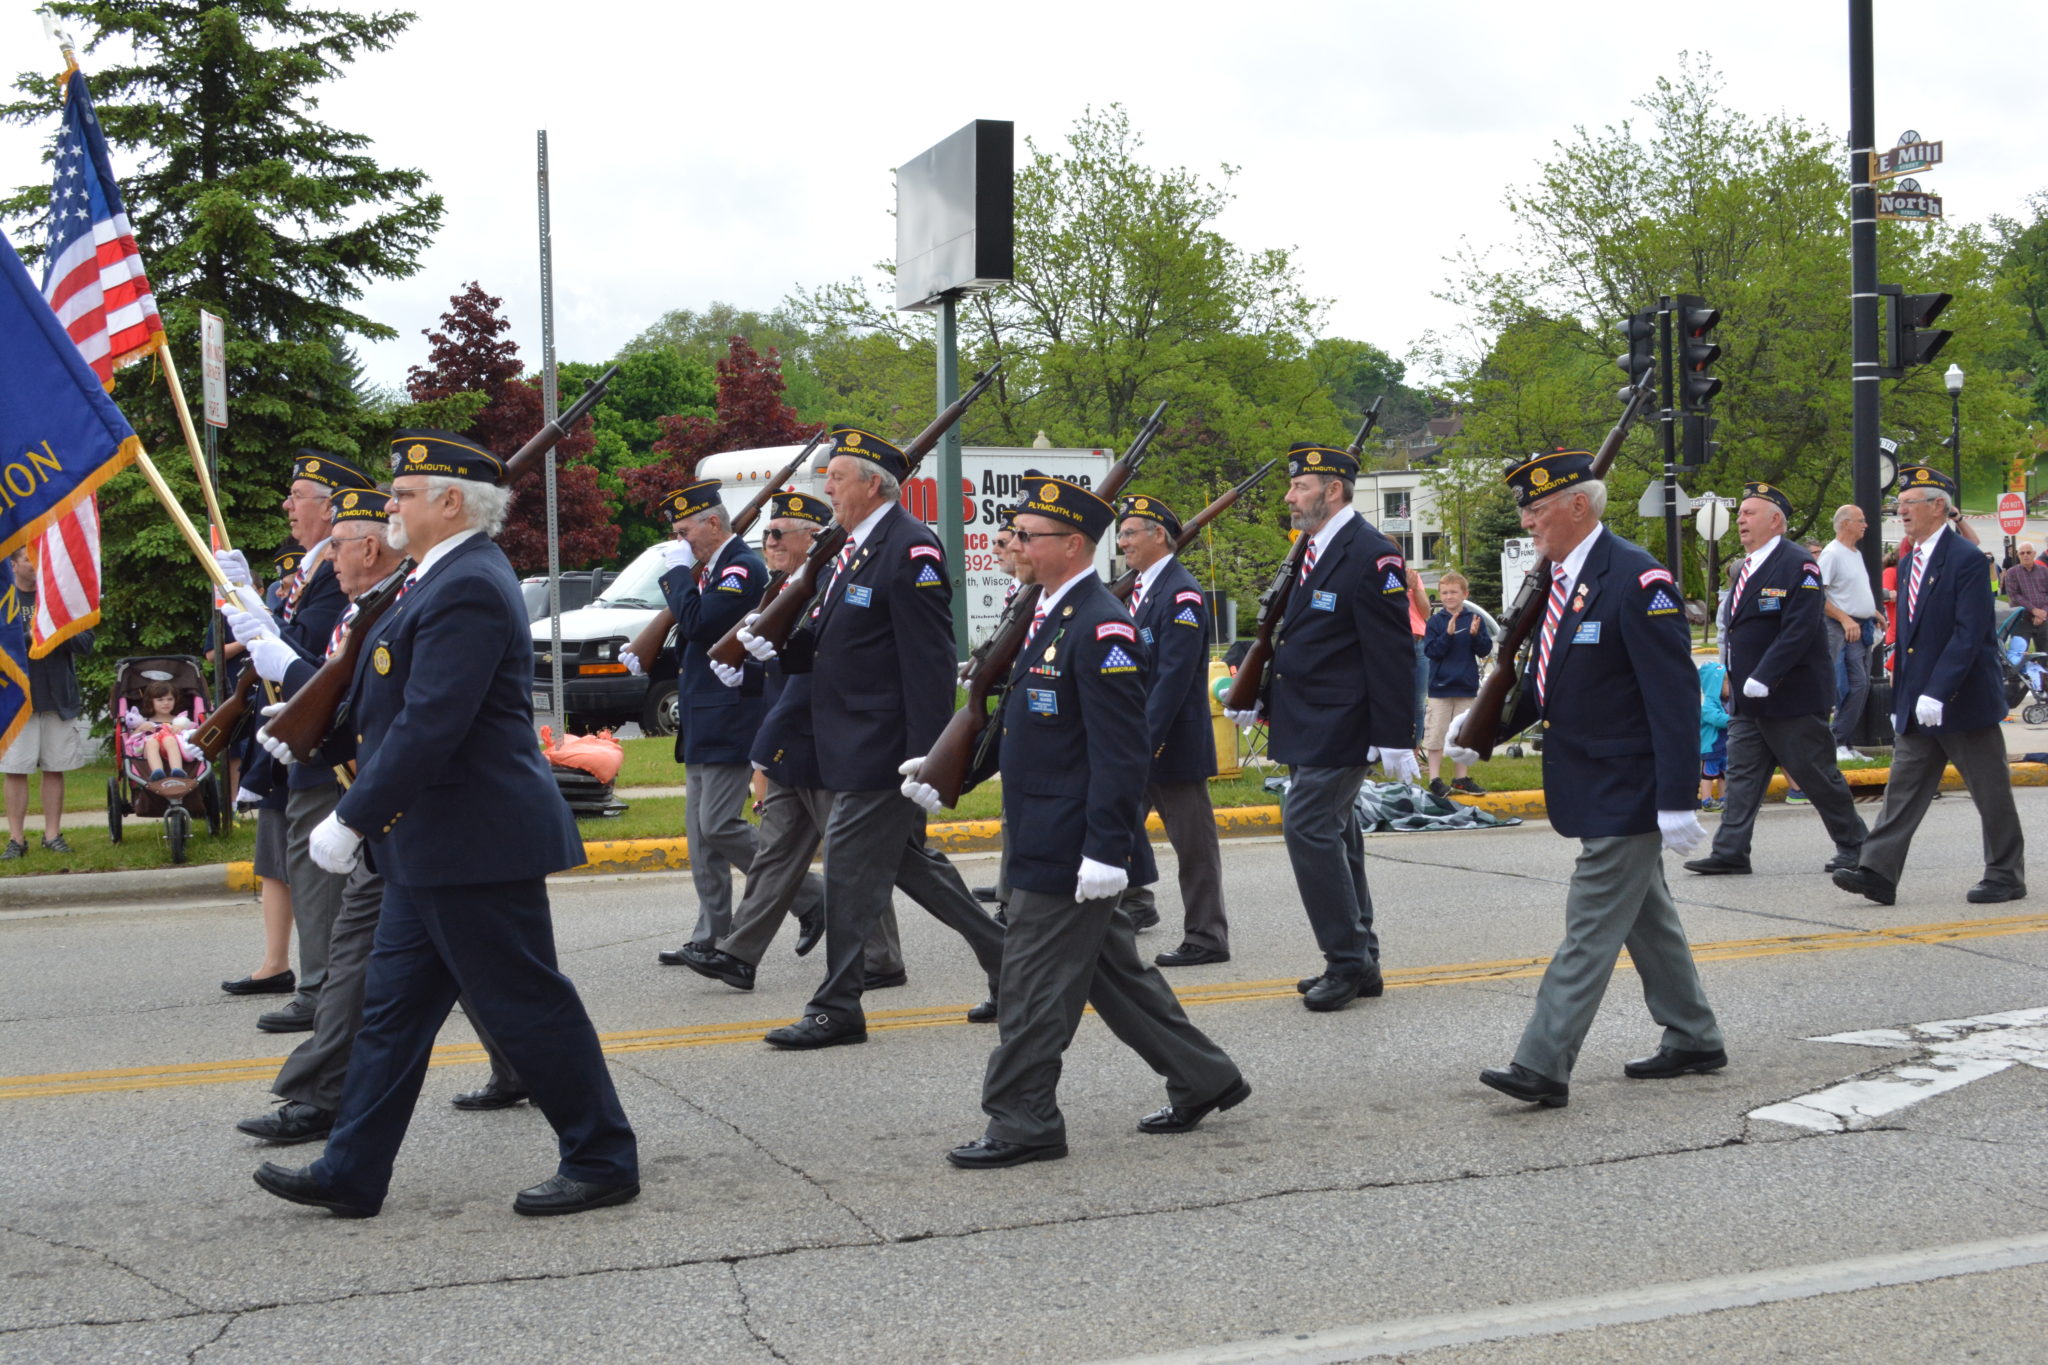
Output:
x,y
1954,380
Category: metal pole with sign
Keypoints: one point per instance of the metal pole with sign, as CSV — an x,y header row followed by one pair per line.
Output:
x,y
1669,423
213,390
946,487
1864,377
1712,524
549,406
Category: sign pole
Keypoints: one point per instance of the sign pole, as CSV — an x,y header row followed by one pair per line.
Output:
x,y
1865,411
952,534
549,400
1670,427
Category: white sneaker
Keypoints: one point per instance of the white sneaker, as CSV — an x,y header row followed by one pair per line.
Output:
x,y
1850,756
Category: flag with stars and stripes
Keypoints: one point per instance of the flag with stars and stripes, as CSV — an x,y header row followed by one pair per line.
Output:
x,y
94,281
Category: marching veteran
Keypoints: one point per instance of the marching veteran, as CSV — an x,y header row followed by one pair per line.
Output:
x,y
1072,751
1612,679
454,804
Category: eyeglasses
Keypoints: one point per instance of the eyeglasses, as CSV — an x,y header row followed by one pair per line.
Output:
x,y
1917,502
1026,537
307,497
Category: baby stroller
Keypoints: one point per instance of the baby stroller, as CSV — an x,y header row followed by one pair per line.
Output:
x,y
131,791
2026,680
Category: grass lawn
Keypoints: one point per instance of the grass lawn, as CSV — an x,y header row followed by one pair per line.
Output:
x,y
142,846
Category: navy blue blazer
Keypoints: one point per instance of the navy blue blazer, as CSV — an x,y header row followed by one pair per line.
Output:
x,y
319,606
784,746
452,789
717,723
1342,680
1072,745
879,647
1775,636
1173,623
1948,649
1623,719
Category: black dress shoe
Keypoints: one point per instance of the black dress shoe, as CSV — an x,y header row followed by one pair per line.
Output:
x,y
1144,917
290,1122
1991,893
1714,865
284,983
809,932
882,981
988,1154
493,1094
1522,1083
719,966
300,1188
1841,862
297,1017
1174,1119
1667,1062
1864,882
1331,992
815,1031
674,957
563,1194
1191,955
986,895
984,1013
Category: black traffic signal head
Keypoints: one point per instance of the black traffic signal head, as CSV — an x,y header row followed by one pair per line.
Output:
x,y
1696,446
1912,337
1640,330
1697,351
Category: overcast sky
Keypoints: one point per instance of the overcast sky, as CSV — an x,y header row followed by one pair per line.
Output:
x,y
733,151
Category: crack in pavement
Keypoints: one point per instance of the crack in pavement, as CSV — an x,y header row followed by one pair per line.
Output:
x,y
739,1287
128,1270
192,1356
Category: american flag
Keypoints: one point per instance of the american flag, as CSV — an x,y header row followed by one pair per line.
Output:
x,y
96,285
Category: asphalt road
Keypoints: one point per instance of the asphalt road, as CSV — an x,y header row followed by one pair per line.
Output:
x,y
1371,1199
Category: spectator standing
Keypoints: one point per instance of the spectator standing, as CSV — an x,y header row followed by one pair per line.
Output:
x,y
1713,732
1418,626
1850,609
2026,587
1454,642
56,738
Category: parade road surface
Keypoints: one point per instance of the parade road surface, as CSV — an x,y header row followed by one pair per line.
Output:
x,y
1866,1181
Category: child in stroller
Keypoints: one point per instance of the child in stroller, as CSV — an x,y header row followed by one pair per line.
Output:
x,y
157,733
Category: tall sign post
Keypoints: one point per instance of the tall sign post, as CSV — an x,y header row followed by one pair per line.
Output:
x,y
213,384
1865,414
549,401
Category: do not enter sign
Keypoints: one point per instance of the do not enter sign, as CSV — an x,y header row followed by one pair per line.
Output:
x,y
2012,513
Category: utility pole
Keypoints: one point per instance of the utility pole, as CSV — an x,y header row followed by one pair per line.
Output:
x,y
1864,372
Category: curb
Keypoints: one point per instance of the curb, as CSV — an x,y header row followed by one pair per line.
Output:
x,y
611,856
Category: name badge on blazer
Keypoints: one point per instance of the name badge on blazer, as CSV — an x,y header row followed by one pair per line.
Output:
x,y
1043,701
1323,601
1145,634
1588,633
859,595
1770,604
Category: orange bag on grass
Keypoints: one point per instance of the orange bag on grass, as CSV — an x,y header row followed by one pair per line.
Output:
x,y
599,755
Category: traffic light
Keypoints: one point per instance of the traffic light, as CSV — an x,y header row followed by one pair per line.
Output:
x,y
1641,357
1910,337
1697,446
1697,351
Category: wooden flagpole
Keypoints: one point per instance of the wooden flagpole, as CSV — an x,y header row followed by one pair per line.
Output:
x,y
192,443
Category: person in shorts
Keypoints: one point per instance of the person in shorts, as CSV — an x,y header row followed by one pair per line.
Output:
x,y
1454,642
57,737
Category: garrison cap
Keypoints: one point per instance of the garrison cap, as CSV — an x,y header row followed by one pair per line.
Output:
x,y
1150,509
1541,475
444,454
330,470
1306,457
357,504
1771,494
865,445
1006,517
691,499
1926,476
286,560
1066,502
800,507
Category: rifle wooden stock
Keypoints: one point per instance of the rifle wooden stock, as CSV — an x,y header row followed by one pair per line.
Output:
x,y
221,727
1127,581
1497,694
653,637
778,618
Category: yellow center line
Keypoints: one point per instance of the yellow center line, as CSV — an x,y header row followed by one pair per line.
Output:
x,y
258,1069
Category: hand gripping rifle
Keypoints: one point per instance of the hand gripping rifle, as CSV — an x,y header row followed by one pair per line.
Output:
x,y
652,639
1250,683
779,614
310,713
1499,693
962,749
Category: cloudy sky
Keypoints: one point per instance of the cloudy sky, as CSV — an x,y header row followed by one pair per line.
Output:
x,y
730,152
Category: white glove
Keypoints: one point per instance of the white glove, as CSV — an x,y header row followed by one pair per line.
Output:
x,y
731,677
272,745
1681,830
632,663
1244,720
1751,687
334,846
270,657
756,646
245,797
247,625
1401,764
1927,710
1453,733
1099,881
679,554
1458,754
235,567
923,793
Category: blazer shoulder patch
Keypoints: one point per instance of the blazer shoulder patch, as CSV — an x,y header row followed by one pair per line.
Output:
x,y
1649,576
926,552
1117,629
1187,595
1386,561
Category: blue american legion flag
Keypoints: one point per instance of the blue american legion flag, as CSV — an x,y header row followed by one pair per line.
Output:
x,y
14,710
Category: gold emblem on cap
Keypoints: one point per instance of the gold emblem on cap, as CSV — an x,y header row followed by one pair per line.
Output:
x,y
312,466
381,660
796,504
1049,493
415,452
1140,505
1539,476
1920,476
853,438
1313,457
348,502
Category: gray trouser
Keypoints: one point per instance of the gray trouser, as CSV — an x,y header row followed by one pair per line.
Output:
x,y
1855,659
1918,760
780,883
1190,820
1058,955
715,822
859,828
1802,744
1618,898
316,893
315,1071
1319,821
1003,867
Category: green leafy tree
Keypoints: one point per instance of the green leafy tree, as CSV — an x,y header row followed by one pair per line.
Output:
x,y
246,205
652,384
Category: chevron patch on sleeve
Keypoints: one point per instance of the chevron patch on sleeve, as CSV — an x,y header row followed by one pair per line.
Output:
x,y
1649,576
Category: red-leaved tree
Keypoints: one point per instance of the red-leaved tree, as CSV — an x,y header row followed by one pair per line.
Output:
x,y
471,355
750,411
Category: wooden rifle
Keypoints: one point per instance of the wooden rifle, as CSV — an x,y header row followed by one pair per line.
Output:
x,y
653,638
1501,689
778,615
309,713
962,749
1250,683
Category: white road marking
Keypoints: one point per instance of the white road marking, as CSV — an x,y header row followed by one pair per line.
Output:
x,y
1953,1052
